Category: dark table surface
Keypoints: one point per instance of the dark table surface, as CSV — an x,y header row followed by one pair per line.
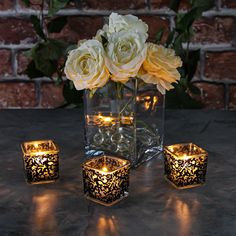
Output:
x,y
153,207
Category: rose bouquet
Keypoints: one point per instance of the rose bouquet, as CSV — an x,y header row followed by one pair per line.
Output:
x,y
118,52
120,72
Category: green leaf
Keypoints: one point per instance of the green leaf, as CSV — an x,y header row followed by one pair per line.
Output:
x,y
55,49
190,63
56,5
204,5
32,71
159,35
57,24
71,47
184,21
45,56
170,38
179,98
194,89
178,45
174,5
59,81
37,26
27,3
71,94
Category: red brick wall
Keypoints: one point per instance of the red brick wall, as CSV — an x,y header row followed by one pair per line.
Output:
x,y
214,35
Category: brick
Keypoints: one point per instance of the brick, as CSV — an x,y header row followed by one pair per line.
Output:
x,y
5,62
22,62
6,5
80,27
51,95
157,4
232,97
155,23
214,30
114,5
16,30
212,95
220,65
35,4
17,94
228,4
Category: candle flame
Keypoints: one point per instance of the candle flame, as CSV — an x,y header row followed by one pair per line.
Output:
x,y
104,168
185,155
107,119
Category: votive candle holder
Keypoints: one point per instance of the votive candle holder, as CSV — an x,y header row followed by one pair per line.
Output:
x,y
106,179
185,165
41,161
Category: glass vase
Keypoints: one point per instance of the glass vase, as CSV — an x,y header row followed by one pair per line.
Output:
x,y
124,120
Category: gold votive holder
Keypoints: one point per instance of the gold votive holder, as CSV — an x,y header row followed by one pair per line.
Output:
x,y
41,161
185,165
106,179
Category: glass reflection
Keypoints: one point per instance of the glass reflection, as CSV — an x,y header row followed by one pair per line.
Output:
x,y
107,225
43,217
183,212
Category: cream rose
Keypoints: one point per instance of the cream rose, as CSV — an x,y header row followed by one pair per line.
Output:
x,y
128,23
125,54
85,66
159,67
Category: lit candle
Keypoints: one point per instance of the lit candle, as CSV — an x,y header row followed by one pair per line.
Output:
x,y
41,161
185,165
106,179
103,120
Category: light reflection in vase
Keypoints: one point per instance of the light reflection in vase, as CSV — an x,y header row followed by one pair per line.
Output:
x,y
43,214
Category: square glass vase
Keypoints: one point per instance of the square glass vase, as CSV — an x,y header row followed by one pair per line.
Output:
x,y
125,120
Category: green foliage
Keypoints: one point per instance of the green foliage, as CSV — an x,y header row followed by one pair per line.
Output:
x,y
57,24
32,71
181,96
37,26
159,35
56,5
72,95
48,55
27,3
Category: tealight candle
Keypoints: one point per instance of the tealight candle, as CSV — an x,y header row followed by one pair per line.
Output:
x,y
106,121
41,161
106,179
185,165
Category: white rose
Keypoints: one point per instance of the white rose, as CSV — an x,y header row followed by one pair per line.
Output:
x,y
126,52
85,66
127,23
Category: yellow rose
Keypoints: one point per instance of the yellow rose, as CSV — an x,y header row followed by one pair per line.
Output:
x,y
159,67
85,66
125,54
